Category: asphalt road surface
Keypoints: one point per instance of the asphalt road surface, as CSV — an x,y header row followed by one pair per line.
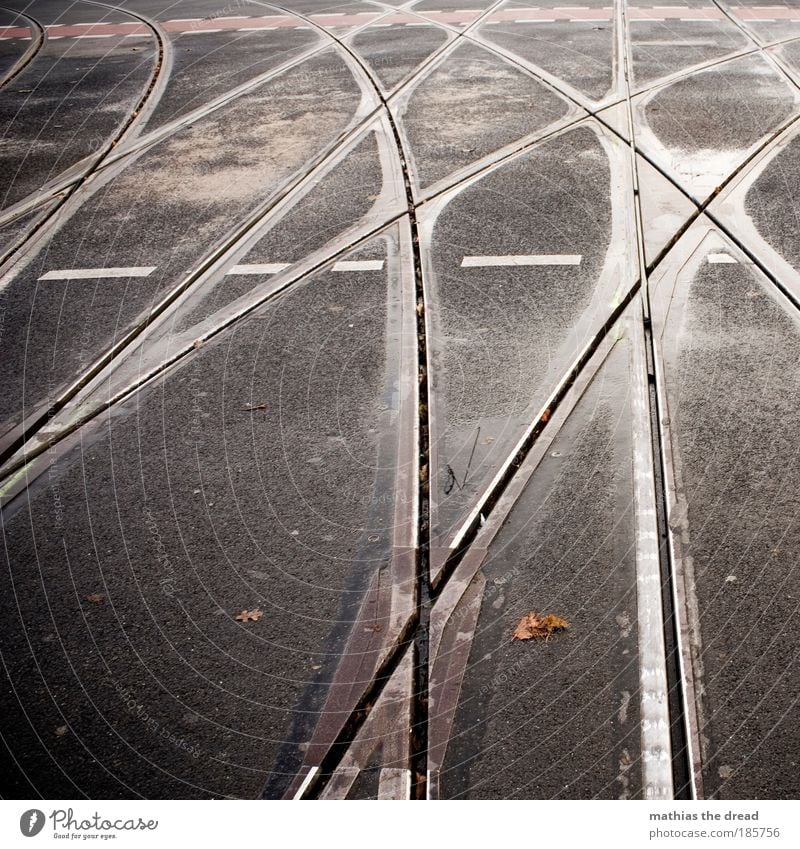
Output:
x,y
399,400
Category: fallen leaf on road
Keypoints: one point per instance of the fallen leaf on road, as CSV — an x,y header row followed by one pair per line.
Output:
x,y
254,407
250,615
96,598
533,626
374,627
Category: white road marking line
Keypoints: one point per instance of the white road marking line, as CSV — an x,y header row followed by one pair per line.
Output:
x,y
358,265
722,258
199,31
307,780
99,35
182,20
98,273
536,21
259,268
524,259
254,29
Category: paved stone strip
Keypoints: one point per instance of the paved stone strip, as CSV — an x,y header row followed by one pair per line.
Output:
x,y
533,15
93,30
549,16
767,14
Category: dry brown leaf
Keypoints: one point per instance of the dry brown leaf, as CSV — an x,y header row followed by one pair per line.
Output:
x,y
96,598
536,627
254,407
375,627
545,416
250,615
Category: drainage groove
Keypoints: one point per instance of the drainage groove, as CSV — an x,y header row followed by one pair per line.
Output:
x,y
680,753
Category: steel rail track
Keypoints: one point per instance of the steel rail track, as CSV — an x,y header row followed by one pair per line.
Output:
x,y
38,40
147,101
27,428
683,761
668,654
129,147
701,208
392,662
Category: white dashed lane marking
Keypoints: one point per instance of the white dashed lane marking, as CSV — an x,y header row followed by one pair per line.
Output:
x,y
98,273
247,268
523,259
359,265
277,267
719,259
259,268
